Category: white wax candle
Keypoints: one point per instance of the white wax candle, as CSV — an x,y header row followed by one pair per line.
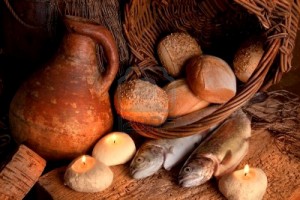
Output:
x,y
245,184
86,174
114,149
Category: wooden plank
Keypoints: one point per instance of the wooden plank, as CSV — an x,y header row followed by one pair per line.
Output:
x,y
282,172
21,173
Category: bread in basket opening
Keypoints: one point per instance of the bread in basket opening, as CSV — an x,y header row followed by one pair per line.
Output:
x,y
201,46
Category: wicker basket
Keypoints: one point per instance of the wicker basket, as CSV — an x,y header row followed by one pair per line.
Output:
x,y
220,26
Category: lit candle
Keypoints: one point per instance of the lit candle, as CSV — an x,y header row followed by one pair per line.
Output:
x,y
245,184
86,174
114,149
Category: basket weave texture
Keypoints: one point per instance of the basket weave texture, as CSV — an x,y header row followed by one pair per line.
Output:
x,y
219,26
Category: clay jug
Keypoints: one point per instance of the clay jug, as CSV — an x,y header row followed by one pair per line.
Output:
x,y
64,108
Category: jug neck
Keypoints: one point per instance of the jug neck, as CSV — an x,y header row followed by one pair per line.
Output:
x,y
79,48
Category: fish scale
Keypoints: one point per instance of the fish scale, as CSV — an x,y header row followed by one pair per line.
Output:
x,y
220,153
229,137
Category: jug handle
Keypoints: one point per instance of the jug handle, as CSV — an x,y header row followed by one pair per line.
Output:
x,y
103,37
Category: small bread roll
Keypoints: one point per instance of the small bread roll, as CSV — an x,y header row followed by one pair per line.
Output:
x,y
181,99
247,58
211,79
175,49
142,102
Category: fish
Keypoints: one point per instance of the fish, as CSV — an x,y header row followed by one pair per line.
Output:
x,y
218,154
166,153
162,153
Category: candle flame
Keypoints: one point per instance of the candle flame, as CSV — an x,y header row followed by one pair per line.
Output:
x,y
114,137
246,169
83,159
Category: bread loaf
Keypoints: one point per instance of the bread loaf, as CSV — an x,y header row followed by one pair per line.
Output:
x,y
247,58
175,49
142,102
181,99
211,79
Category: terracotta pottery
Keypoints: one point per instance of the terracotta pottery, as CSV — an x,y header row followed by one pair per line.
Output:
x,y
64,108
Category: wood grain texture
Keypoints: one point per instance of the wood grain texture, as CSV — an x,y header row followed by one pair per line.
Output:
x,y
20,174
282,172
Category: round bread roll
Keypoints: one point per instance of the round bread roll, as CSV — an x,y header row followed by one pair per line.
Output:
x,y
175,49
181,99
211,79
142,102
247,58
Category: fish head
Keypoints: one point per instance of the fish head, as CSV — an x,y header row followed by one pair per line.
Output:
x,y
147,161
196,172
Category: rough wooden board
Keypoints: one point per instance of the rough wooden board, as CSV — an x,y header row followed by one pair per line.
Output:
x,y
282,172
21,173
